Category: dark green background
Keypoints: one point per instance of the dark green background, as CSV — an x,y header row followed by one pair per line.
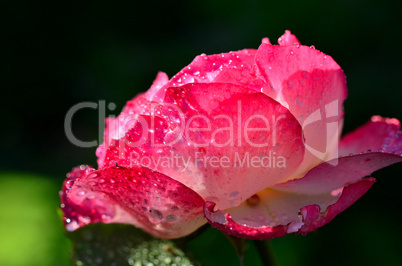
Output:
x,y
55,54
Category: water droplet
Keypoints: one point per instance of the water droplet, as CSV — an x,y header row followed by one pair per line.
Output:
x,y
234,194
312,47
155,216
291,85
93,175
69,184
299,101
236,202
81,193
305,75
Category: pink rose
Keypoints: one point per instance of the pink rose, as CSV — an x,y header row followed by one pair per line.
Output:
x,y
247,141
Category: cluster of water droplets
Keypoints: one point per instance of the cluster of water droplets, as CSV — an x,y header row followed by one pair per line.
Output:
x,y
80,204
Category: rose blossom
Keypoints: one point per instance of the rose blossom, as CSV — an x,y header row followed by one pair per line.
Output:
x,y
246,140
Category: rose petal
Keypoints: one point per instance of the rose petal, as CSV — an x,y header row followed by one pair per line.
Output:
x,y
161,80
312,85
265,40
194,126
116,128
377,134
288,39
205,68
277,213
140,104
233,67
149,200
335,174
314,218
241,77
225,223
229,112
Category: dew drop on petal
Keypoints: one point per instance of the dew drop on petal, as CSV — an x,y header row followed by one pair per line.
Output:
x,y
299,101
234,194
93,175
155,216
81,193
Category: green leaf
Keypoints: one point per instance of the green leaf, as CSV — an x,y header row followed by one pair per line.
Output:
x,y
119,244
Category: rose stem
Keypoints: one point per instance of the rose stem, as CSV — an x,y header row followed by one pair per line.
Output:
x,y
265,251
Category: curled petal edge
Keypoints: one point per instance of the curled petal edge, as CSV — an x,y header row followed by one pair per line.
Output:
x,y
138,196
312,217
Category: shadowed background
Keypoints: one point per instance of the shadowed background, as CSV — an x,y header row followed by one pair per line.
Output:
x,y
56,54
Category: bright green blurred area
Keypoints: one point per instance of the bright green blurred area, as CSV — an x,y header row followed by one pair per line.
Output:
x,y
31,232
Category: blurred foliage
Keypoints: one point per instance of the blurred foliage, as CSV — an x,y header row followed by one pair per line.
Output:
x,y
56,54
31,232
